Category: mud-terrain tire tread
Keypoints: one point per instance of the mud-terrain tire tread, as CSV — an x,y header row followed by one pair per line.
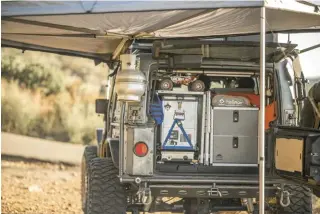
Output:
x,y
105,193
301,200
89,153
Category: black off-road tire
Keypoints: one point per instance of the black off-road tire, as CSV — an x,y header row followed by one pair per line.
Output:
x,y
301,201
90,152
105,194
307,115
190,206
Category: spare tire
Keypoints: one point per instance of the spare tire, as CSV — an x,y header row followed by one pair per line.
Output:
x,y
301,201
315,91
307,115
307,112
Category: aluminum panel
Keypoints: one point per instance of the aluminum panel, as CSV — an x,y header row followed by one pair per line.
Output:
x,y
246,125
135,165
235,135
246,151
175,155
189,108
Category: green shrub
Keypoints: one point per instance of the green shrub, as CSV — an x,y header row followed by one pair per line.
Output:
x,y
80,120
17,110
31,75
67,121
40,97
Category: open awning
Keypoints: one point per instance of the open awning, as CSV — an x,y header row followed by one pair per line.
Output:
x,y
96,29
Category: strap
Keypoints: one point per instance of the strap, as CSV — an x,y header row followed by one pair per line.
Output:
x,y
297,67
169,133
156,110
178,122
184,133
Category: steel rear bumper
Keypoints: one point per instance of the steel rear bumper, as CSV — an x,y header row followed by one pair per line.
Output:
x,y
210,191
202,179
207,186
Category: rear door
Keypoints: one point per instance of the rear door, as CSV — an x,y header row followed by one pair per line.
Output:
x,y
296,148
297,155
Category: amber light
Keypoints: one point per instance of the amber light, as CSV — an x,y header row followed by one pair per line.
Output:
x,y
140,149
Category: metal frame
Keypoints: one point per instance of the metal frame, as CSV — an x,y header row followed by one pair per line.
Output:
x,y
204,100
163,47
121,150
202,191
189,179
74,7
24,46
234,164
57,26
309,48
214,72
207,129
262,111
211,135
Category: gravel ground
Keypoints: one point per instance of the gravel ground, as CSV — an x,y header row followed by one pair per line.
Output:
x,y
39,188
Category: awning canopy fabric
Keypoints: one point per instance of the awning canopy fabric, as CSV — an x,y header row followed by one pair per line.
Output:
x,y
95,29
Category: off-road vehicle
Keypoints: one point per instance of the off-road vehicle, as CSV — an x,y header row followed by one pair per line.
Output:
x,y
181,131
181,117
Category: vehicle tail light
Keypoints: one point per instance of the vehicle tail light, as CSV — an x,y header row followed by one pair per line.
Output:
x,y
140,149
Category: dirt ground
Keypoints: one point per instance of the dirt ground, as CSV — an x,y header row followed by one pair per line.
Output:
x,y
39,188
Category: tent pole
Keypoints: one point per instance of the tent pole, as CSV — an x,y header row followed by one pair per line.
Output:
x,y
262,111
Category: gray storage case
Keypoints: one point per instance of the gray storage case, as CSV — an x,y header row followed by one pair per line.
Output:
x,y
235,136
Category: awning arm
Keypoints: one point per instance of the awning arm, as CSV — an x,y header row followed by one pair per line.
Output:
x,y
24,47
309,48
62,27
122,46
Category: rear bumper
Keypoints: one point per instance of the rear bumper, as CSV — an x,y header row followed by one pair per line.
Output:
x,y
208,191
207,186
202,179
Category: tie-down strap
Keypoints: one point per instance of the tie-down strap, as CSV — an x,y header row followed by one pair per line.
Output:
x,y
179,124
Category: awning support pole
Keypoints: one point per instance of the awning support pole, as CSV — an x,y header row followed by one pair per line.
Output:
x,y
262,111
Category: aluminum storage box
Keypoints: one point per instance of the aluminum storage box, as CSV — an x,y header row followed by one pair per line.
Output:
x,y
184,106
189,107
235,136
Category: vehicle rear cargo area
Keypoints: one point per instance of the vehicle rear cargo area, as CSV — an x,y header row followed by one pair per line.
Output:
x,y
211,131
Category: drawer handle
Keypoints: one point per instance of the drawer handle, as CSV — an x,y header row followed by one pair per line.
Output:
x,y
235,142
235,116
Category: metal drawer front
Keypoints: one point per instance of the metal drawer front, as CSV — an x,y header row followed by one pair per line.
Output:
x,y
225,150
225,122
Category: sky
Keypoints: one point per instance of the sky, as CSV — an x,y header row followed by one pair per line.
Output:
x,y
310,61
